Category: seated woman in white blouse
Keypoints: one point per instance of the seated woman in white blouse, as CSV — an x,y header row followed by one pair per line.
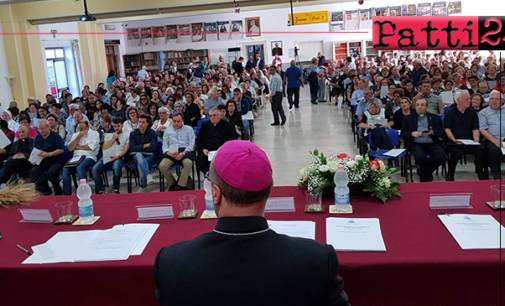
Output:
x,y
163,123
132,122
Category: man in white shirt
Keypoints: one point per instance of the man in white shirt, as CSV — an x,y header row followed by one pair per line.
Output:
x,y
7,116
85,143
178,147
118,142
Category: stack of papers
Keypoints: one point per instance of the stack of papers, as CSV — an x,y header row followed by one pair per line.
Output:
x,y
356,234
468,142
117,243
280,204
394,152
299,229
474,232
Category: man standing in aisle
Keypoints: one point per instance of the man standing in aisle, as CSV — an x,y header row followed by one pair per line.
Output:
x,y
276,97
250,63
143,143
242,229
238,66
259,62
313,82
294,78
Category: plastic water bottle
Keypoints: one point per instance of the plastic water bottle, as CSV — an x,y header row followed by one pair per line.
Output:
x,y
342,198
86,213
209,203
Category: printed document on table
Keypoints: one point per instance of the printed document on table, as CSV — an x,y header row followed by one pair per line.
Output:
x,y
145,238
354,234
62,247
301,229
34,157
4,140
112,244
503,148
468,142
474,232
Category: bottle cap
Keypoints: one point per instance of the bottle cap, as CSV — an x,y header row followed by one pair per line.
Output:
x,y
340,167
82,181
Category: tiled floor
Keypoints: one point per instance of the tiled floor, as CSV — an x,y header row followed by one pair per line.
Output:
x,y
320,126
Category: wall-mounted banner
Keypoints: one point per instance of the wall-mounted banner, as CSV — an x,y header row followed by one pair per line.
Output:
x,y
438,33
309,18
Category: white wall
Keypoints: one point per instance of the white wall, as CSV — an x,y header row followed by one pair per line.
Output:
x,y
275,20
5,88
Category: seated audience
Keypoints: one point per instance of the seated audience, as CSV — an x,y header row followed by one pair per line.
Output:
x,y
84,143
243,106
55,126
213,134
51,146
183,137
492,128
422,133
462,122
477,102
213,101
163,122
143,146
399,116
435,105
17,157
191,111
7,116
10,134
117,141
25,120
132,122
234,117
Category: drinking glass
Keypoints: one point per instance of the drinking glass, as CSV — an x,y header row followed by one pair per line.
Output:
x,y
64,211
498,197
187,205
314,200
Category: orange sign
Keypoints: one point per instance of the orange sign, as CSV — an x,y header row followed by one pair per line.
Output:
x,y
309,18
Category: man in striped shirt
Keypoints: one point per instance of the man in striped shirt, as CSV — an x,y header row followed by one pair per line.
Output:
x,y
276,97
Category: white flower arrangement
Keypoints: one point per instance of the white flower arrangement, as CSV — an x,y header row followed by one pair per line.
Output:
x,y
370,176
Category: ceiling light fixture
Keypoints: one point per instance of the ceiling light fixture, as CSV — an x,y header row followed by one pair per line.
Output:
x,y
87,16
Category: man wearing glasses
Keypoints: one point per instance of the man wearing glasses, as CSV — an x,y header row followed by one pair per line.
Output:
x,y
243,106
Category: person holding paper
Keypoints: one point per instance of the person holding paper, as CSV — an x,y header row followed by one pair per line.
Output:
x,y
143,145
85,143
178,147
51,146
118,142
17,161
462,122
422,133
277,266
213,134
4,127
435,104
491,127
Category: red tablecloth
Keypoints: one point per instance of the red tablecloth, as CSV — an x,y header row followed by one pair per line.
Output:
x,y
423,264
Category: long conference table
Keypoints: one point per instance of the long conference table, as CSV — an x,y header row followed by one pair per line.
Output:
x,y
423,264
